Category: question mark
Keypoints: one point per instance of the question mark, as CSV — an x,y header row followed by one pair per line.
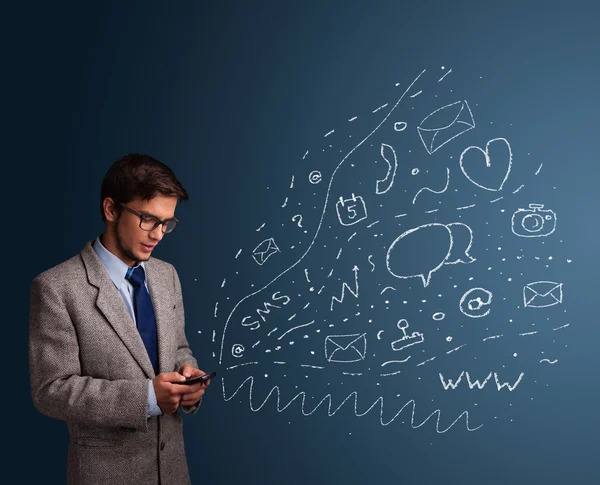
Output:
x,y
299,217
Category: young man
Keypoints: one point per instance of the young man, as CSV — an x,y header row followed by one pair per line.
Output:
x,y
107,344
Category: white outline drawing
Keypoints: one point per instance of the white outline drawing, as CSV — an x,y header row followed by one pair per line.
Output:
x,y
372,224
446,260
416,94
371,262
450,384
549,361
299,217
414,338
237,350
294,328
438,192
550,296
441,79
262,225
318,229
391,171
563,326
327,134
292,183
539,218
455,349
488,163
493,337
306,275
387,288
346,286
396,361
356,216
349,348
241,365
264,251
216,308
464,257
400,125
456,127
425,361
381,107
315,177
330,412
284,203
479,303
438,316
238,253
539,168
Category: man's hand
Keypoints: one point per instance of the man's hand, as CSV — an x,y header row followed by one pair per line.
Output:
x,y
168,395
194,392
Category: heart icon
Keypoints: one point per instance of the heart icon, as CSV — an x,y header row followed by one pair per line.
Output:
x,y
487,177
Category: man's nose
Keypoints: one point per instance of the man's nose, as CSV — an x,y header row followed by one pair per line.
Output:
x,y
157,233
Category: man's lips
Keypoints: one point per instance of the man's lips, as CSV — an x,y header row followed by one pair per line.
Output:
x,y
149,246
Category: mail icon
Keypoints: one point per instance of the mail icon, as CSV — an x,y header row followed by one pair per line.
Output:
x,y
346,348
445,124
542,294
264,251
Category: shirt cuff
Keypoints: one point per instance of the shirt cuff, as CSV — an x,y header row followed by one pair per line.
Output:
x,y
153,407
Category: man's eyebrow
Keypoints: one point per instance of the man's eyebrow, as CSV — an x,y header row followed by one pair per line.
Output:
x,y
146,213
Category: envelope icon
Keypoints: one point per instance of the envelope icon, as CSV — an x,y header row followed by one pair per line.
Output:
x,y
346,348
264,251
445,124
542,294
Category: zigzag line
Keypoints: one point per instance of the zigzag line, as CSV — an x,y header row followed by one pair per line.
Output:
x,y
346,285
330,413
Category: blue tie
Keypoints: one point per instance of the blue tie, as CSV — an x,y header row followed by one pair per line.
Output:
x,y
144,314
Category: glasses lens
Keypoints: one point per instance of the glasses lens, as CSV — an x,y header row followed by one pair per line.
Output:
x,y
149,223
170,226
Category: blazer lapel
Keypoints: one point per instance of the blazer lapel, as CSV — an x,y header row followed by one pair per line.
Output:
x,y
111,304
159,289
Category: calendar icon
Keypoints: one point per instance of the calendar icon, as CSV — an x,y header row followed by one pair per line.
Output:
x,y
350,211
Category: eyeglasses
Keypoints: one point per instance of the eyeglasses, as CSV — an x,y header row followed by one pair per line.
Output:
x,y
149,223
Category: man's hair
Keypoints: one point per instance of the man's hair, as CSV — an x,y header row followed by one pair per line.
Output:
x,y
139,175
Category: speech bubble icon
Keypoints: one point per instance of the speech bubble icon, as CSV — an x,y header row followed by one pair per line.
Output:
x,y
461,238
406,257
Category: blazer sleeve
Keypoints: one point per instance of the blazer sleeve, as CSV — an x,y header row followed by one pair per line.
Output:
x,y
184,353
58,389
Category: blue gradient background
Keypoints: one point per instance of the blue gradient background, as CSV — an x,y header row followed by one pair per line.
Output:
x,y
230,95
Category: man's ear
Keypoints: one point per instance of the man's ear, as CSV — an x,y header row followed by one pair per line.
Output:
x,y
111,211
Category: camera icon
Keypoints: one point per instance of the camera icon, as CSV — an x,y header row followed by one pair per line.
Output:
x,y
534,222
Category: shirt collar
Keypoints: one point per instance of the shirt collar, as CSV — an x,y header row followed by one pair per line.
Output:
x,y
117,269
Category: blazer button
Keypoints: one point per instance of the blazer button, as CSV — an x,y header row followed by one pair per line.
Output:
x,y
162,446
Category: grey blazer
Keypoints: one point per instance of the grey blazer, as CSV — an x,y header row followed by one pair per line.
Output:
x,y
89,367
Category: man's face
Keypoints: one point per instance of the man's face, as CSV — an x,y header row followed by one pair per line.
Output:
x,y
129,242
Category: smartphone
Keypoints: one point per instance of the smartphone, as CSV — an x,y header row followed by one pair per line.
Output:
x,y
193,380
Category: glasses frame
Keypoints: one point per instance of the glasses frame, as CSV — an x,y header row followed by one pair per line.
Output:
x,y
158,223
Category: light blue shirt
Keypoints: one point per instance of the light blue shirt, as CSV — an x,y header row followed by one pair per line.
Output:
x,y
118,270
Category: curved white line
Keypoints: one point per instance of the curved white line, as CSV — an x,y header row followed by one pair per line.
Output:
x,y
395,361
435,191
322,215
